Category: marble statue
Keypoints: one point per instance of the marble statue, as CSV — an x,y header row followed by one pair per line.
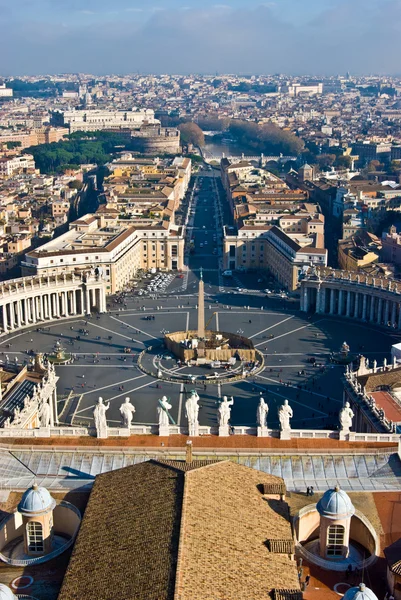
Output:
x,y
346,416
261,413
385,363
7,423
224,411
374,366
162,409
127,412
17,420
284,415
99,416
44,415
192,411
394,362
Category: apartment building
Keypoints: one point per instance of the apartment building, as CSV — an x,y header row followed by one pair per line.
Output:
x,y
116,247
270,248
16,164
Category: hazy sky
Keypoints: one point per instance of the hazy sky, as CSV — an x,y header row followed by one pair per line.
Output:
x,y
183,36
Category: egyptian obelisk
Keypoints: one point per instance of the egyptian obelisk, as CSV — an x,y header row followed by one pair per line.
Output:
x,y
201,308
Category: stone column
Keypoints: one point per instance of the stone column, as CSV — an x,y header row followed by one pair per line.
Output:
x,y
19,318
46,305
399,316
5,318
41,304
74,302
379,311
318,300
340,302
323,301
66,311
28,310
88,304
348,304
332,300
34,309
393,313
62,304
364,306
386,311
356,307
12,321
372,309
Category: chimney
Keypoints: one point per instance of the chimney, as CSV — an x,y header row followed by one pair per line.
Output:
x,y
188,452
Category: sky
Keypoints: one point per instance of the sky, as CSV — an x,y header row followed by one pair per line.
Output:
x,y
313,37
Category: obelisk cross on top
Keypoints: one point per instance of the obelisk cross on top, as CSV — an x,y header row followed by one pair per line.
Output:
x,y
201,307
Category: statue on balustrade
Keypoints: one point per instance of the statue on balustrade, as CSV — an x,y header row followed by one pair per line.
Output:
x,y
162,410
346,416
192,411
127,412
224,411
261,414
99,416
285,413
44,414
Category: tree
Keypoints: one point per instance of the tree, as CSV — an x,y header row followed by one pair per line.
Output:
x,y
191,133
75,185
326,160
266,138
12,145
343,161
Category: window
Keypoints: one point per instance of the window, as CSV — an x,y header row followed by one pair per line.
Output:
x,y
335,540
74,260
35,536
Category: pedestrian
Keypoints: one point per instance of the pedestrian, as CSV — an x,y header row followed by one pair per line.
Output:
x,y
307,580
311,490
308,491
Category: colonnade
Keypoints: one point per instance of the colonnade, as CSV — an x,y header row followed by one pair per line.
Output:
x,y
353,300
30,301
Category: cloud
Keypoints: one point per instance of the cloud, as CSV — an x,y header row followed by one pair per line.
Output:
x,y
362,36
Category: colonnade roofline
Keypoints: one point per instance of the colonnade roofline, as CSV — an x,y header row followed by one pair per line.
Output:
x,y
328,275
345,294
32,300
38,282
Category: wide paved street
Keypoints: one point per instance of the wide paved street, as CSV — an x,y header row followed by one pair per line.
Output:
x,y
103,369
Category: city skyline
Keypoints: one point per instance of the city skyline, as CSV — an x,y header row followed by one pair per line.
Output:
x,y
175,36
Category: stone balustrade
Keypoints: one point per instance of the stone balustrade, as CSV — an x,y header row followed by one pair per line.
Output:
x,y
31,300
360,297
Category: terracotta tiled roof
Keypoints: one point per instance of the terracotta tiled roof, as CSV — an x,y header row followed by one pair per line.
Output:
x,y
164,530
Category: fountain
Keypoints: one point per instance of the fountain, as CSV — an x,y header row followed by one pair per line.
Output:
x,y
59,356
344,356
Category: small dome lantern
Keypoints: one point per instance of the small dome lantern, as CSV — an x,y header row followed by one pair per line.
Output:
x,y
335,509
36,508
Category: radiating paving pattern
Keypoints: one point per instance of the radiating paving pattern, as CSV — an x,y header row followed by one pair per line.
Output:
x,y
59,469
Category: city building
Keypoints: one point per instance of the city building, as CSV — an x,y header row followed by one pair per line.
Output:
x,y
98,120
117,247
283,254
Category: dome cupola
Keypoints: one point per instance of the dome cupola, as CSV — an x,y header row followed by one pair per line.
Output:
x,y
36,501
335,504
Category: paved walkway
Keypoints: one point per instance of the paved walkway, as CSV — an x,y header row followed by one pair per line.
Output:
x,y
70,469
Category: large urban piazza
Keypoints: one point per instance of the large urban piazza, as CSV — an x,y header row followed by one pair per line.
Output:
x,y
296,347
103,368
